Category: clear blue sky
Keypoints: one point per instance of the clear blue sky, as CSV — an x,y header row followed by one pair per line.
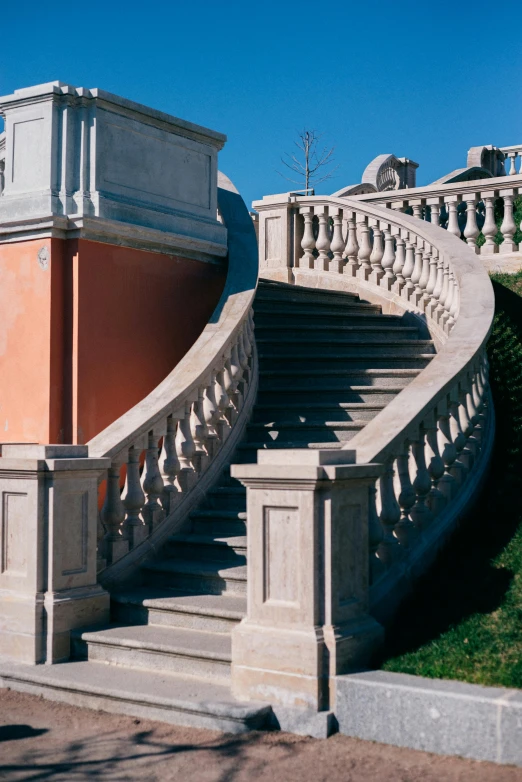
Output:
x,y
424,79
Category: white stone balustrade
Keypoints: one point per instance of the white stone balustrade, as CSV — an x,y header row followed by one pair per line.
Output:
x,y
465,209
513,162
428,449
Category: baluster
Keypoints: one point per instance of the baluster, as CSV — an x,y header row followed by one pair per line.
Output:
x,y
417,210
432,280
447,484
436,500
417,272
512,167
400,261
322,242
113,515
337,245
243,358
211,415
508,226
425,276
388,259
230,385
152,484
471,230
446,315
441,306
185,450
453,220
377,255
2,176
435,213
352,248
420,513
237,372
375,536
455,302
135,530
458,469
308,241
169,467
199,432
405,529
222,425
437,293
409,266
467,455
365,249
390,515
489,229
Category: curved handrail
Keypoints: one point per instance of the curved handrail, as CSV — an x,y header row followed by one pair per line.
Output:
x,y
455,358
191,412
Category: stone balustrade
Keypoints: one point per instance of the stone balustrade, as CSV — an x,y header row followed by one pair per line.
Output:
x,y
513,161
174,442
465,209
2,162
359,540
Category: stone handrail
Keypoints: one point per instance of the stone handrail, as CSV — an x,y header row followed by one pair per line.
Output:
x,y
434,438
465,209
178,432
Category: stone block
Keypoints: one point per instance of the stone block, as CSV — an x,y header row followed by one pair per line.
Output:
x,y
440,716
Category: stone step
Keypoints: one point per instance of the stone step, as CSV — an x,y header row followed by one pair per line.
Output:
x,y
145,605
325,395
215,521
337,335
156,648
198,576
226,497
319,411
230,549
293,308
177,700
295,294
308,432
363,376
334,349
357,314
410,359
247,449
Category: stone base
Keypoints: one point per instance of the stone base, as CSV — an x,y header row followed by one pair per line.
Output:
x,y
295,668
36,629
304,722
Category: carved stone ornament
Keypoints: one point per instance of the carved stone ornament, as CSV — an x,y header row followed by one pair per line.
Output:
x,y
43,258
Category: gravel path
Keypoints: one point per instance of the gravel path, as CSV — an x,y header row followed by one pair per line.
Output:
x,y
41,740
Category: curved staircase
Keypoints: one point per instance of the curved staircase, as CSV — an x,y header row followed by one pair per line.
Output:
x,y
328,363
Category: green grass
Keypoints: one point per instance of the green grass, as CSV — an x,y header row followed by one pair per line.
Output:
x,y
464,619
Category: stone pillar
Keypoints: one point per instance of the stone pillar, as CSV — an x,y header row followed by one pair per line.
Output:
x,y
280,235
48,549
308,579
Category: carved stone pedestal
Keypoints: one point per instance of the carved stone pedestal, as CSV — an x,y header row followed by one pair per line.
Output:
x,y
308,563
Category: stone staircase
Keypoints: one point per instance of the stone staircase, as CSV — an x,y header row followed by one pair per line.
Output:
x,y
328,364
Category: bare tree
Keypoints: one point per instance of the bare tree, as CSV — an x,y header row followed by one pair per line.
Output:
x,y
308,168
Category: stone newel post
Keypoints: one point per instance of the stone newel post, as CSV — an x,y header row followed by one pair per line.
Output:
x,y
48,549
308,579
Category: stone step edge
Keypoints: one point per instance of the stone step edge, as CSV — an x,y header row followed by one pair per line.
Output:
x,y
158,604
226,715
97,639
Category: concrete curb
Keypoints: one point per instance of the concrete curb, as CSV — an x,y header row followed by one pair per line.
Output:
x,y
433,715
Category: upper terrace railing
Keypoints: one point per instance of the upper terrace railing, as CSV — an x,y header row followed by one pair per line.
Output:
x,y
465,209
184,430
434,438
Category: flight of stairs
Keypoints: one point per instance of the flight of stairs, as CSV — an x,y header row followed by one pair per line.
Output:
x,y
328,363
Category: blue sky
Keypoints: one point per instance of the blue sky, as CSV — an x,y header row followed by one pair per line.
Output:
x,y
418,79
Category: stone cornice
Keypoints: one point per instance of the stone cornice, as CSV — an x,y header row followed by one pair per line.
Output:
x,y
98,229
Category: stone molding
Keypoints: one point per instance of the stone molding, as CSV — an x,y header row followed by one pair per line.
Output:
x,y
76,153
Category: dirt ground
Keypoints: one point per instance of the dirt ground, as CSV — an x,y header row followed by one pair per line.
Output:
x,y
41,740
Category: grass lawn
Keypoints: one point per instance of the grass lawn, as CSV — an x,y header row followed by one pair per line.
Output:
x,y
464,621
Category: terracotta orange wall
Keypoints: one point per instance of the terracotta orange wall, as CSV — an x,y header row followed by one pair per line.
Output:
x,y
84,340
31,344
138,314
